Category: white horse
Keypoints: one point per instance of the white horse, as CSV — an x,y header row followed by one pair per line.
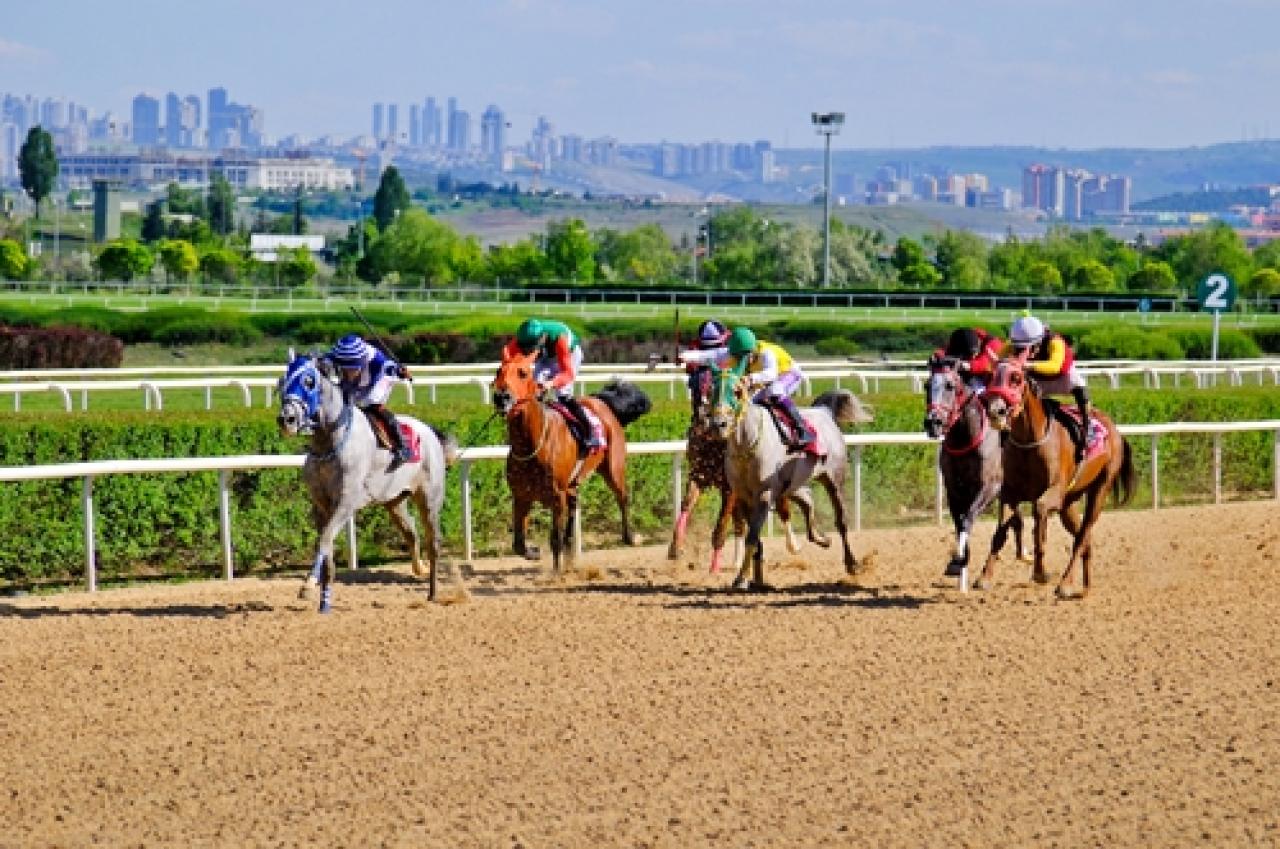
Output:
x,y
763,471
346,469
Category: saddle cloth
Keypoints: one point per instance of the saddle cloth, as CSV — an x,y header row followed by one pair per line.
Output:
x,y
411,439
786,431
597,427
1096,442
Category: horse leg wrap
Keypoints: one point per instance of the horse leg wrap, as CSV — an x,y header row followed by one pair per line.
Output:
x,y
682,522
326,600
317,571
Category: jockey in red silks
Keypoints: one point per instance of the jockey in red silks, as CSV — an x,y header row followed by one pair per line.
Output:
x,y
559,357
1052,364
976,352
367,376
711,335
769,367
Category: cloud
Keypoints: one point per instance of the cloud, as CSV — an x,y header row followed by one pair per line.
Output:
x,y
13,51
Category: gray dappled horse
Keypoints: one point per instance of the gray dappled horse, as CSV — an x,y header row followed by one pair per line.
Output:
x,y
763,471
969,458
346,469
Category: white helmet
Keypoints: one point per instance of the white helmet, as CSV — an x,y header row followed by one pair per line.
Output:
x,y
1027,330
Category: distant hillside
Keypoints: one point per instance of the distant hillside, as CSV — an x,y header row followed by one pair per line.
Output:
x,y
1210,201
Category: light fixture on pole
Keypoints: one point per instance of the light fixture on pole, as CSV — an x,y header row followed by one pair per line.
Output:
x,y
827,124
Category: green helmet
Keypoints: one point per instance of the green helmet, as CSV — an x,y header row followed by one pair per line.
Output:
x,y
742,341
529,334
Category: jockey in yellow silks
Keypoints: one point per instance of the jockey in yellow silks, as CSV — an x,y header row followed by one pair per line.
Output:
x,y
769,367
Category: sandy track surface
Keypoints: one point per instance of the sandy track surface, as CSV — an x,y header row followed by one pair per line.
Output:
x,y
639,704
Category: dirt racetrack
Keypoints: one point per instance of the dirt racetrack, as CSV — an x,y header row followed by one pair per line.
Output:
x,y
605,710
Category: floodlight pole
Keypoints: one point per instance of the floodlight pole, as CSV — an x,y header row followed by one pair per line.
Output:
x,y
827,124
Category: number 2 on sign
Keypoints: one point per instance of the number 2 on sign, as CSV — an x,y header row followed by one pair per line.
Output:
x,y
1216,298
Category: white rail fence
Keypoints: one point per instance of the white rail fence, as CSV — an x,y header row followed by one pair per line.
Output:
x,y
65,382
224,466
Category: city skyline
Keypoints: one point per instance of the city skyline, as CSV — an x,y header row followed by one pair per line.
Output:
x,y
927,73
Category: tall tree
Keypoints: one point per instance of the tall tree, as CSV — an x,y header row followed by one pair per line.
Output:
x,y
392,197
571,252
38,165
221,205
153,229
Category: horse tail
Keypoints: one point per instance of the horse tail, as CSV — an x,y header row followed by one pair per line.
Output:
x,y
1125,483
845,407
627,401
449,443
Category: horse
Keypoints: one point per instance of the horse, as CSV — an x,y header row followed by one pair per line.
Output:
x,y
1040,468
545,465
346,469
968,458
764,472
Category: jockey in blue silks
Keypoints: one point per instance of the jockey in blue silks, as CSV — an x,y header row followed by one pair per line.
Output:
x,y
367,376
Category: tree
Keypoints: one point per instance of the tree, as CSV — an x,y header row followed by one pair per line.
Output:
x,y
1092,276
153,229
221,205
296,267
391,198
13,262
644,253
1153,276
124,259
179,258
570,250
38,165
521,262
1044,278
1216,248
906,253
956,245
1264,283
222,264
921,275
416,246
790,254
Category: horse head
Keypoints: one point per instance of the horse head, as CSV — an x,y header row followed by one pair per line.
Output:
x,y
1005,392
514,384
944,396
302,395
728,398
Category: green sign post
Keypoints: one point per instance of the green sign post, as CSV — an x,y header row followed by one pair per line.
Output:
x,y
1216,293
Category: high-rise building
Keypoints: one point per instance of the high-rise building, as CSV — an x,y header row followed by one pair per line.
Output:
x,y
217,123
493,134
1043,188
146,120
415,125
393,122
431,123
460,135
173,120
377,122
451,124
10,145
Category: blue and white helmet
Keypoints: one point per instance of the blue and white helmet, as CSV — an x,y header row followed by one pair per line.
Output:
x,y
350,352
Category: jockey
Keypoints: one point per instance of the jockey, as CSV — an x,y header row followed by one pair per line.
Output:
x,y
1051,363
711,335
557,365
767,366
367,376
976,352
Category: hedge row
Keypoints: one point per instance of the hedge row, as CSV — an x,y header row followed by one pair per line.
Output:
x,y
427,338
168,524
58,347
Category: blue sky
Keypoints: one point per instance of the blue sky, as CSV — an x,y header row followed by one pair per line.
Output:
x,y
908,73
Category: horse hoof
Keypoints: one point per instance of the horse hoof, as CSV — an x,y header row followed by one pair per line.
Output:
x,y
1068,594
306,591
954,569
532,553
982,584
822,542
760,587
1041,578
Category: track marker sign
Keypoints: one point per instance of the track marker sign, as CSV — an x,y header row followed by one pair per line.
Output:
x,y
1216,292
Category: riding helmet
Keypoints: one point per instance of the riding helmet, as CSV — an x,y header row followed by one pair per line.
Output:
x,y
742,341
712,334
350,351
964,343
529,334
1027,330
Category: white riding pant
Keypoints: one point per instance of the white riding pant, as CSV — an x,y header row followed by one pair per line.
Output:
x,y
375,393
547,368
785,385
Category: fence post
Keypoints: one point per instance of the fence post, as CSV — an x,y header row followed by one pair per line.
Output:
x,y
1275,466
1217,468
677,488
224,519
1155,471
464,473
940,488
352,561
90,555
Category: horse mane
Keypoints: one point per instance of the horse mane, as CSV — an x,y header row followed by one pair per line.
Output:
x,y
627,401
449,443
844,406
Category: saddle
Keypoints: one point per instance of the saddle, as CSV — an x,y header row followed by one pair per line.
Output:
x,y
574,428
1069,416
411,439
789,435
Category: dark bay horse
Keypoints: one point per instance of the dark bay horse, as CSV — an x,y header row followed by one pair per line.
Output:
x,y
704,461
544,465
968,459
1039,468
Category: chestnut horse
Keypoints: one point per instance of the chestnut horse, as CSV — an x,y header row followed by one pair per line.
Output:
x,y
1039,467
544,464
704,457
968,458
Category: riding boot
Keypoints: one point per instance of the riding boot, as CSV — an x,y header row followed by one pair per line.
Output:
x,y
574,406
399,451
803,438
1081,395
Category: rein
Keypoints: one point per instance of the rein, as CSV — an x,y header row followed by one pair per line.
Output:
x,y
1048,429
344,421
542,437
977,440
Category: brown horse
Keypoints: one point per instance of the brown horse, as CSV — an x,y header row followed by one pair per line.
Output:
x,y
544,464
1039,467
704,457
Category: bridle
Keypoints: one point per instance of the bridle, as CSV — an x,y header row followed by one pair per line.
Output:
x,y
951,413
1014,399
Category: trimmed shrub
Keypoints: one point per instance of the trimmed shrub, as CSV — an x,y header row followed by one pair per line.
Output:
x,y
58,347
1127,343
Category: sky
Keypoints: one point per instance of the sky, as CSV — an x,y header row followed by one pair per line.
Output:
x,y
906,73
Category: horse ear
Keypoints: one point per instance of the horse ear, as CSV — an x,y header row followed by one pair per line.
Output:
x,y
291,356
325,366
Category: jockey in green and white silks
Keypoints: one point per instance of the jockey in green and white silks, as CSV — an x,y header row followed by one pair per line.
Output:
x,y
767,366
559,358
